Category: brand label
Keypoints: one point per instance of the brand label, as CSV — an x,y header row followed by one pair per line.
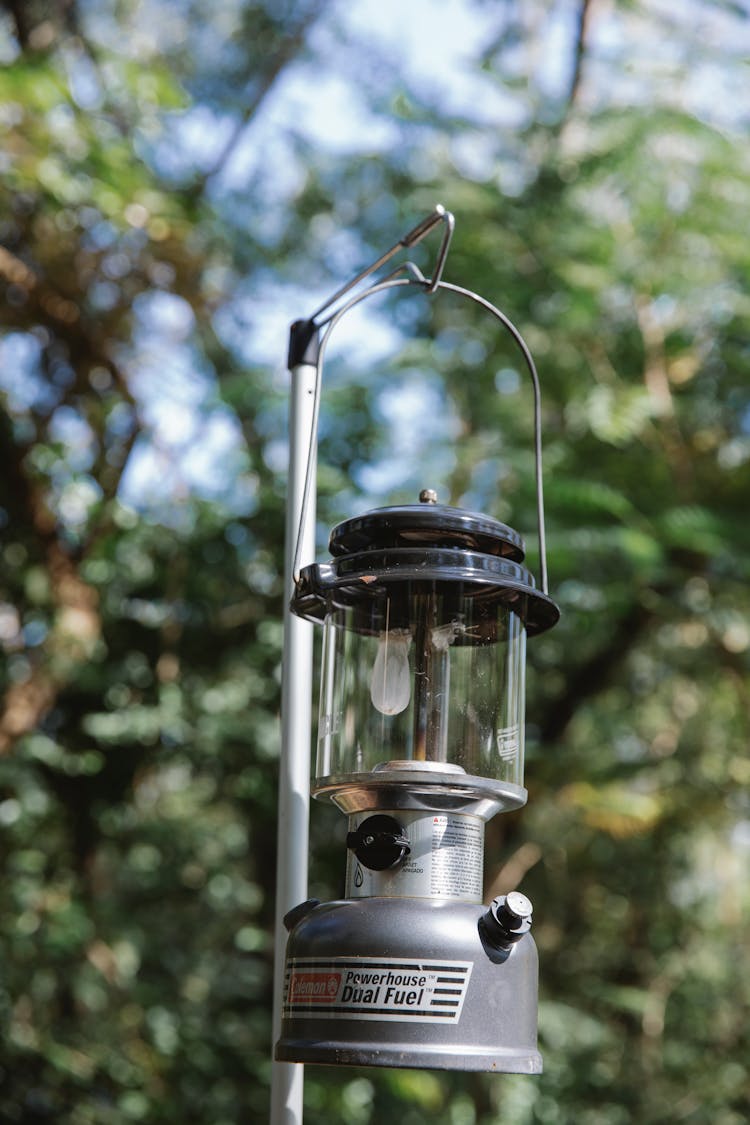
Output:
x,y
507,743
322,987
383,989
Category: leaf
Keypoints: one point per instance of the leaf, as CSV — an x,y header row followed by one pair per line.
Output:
x,y
564,1027
619,810
696,529
583,498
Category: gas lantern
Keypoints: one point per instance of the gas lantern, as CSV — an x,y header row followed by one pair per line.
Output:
x,y
425,611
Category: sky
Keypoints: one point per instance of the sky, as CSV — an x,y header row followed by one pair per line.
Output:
x,y
195,443
433,45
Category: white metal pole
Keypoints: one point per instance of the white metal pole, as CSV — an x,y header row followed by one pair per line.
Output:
x,y
287,1079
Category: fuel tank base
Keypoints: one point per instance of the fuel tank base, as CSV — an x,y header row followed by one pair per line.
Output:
x,y
408,983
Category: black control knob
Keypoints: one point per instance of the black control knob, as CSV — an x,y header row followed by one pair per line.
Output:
x,y
379,843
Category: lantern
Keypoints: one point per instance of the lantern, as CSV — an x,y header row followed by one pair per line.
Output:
x,y
425,611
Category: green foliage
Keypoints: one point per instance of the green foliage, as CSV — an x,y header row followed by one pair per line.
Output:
x,y
143,245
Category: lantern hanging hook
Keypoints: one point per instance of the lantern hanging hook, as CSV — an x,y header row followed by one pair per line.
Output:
x,y
420,231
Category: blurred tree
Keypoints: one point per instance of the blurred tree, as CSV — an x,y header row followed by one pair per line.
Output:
x,y
171,175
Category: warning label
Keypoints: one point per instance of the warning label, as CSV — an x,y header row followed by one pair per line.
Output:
x,y
457,852
383,989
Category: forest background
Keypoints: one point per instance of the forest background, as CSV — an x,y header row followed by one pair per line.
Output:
x,y
179,181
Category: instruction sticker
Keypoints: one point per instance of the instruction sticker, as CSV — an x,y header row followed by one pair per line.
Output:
x,y
457,853
383,989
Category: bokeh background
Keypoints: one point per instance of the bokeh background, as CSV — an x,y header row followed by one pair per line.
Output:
x,y
180,180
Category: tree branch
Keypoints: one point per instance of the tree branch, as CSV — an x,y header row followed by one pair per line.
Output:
x,y
76,624
286,52
582,27
17,9
594,674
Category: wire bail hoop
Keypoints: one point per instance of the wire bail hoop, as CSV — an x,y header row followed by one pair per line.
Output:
x,y
427,285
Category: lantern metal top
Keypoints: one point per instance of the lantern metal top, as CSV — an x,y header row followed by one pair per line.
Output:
x,y
428,523
376,553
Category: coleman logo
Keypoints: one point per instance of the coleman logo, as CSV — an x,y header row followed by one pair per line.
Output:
x,y
321,987
387,989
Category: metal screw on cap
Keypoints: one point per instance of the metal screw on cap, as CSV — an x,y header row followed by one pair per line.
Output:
x,y
518,904
507,920
428,496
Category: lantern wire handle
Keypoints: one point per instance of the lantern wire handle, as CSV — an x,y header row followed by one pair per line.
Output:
x,y
427,285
